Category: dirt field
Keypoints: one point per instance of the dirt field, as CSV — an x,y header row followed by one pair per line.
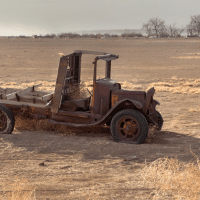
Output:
x,y
87,163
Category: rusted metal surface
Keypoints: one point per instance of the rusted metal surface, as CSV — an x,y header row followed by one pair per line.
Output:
x,y
138,96
108,69
128,128
101,95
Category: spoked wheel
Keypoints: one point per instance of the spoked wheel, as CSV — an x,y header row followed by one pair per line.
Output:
x,y
129,126
7,120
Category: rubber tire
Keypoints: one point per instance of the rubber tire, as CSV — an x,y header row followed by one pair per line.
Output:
x,y
160,124
144,128
10,120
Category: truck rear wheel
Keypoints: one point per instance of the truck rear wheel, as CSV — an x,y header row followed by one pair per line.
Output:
x,y
129,126
7,120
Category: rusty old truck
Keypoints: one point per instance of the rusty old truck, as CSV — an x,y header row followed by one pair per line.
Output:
x,y
128,113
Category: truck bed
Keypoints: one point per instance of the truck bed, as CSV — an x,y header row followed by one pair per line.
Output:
x,y
28,96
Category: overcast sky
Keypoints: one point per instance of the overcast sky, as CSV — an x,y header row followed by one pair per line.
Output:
x,y
29,17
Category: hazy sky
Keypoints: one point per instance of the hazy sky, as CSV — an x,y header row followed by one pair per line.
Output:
x,y
29,17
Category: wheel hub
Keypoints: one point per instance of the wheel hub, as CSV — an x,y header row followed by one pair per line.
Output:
x,y
129,128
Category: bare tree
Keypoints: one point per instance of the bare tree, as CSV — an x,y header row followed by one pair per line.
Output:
x,y
148,28
190,30
174,31
194,26
155,26
180,31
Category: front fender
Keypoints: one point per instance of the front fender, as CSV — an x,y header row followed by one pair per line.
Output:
x,y
119,106
152,107
127,102
155,102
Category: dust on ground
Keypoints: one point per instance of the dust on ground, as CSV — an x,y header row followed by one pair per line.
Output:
x,y
42,161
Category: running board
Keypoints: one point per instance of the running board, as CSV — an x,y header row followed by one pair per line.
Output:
x,y
70,124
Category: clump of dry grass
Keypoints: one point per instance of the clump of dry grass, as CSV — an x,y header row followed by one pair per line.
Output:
x,y
194,110
40,124
61,54
151,135
18,190
78,92
171,179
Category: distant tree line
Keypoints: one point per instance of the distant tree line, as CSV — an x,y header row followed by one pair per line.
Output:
x,y
158,28
98,35
155,27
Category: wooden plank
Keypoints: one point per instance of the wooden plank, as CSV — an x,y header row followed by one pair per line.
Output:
x,y
24,91
62,71
57,98
39,93
28,98
3,91
11,102
13,95
76,114
48,103
47,97
31,99
10,90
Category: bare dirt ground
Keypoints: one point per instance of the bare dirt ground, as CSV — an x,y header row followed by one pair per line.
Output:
x,y
87,163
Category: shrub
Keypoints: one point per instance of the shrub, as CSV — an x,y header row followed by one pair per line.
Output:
x,y
126,35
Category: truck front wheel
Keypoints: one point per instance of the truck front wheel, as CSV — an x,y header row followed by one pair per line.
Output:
x,y
7,120
129,126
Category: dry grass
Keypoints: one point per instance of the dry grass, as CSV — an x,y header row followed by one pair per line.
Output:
x,y
151,135
78,92
194,110
23,123
171,179
45,85
178,85
130,86
61,54
187,57
18,190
